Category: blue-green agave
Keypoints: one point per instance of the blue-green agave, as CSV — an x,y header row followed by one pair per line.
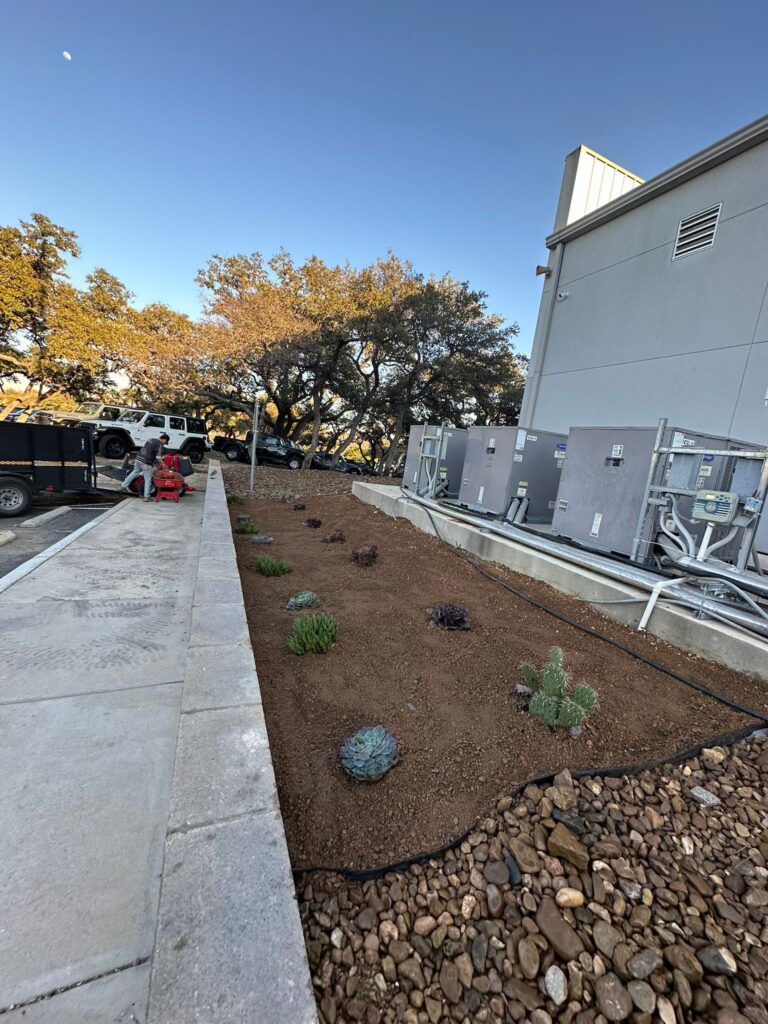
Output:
x,y
304,599
369,754
261,538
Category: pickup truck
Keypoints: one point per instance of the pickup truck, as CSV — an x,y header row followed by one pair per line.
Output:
x,y
274,451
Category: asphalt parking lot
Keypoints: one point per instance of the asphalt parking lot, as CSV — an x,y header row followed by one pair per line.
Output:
x,y
30,542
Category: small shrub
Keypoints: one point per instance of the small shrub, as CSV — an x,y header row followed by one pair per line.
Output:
x,y
366,554
551,700
235,499
246,528
369,753
267,566
299,506
313,524
313,634
304,599
450,616
285,496
335,537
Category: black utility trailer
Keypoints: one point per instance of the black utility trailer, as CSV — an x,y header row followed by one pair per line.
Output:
x,y
35,458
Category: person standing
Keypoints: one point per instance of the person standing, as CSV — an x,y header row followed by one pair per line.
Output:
x,y
150,456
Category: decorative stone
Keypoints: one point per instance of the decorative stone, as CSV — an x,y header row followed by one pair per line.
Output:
x,y
496,871
528,958
563,843
704,797
665,1010
606,937
561,936
717,960
411,970
570,819
449,981
526,857
465,969
478,951
366,919
684,959
644,963
556,985
642,995
495,901
612,998
424,925
569,897
515,877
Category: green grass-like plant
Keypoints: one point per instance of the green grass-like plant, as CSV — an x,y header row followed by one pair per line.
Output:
x,y
235,499
245,528
552,701
267,566
313,634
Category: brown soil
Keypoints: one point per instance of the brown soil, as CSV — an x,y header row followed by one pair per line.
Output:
x,y
276,481
447,696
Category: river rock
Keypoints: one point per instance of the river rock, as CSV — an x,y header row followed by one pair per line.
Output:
x,y
644,963
563,843
561,936
515,877
526,857
704,797
528,958
449,981
567,897
556,985
613,999
642,995
606,937
424,925
684,959
496,871
495,901
717,960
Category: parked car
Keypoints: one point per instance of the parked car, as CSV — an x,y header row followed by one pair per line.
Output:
x,y
270,451
188,435
90,412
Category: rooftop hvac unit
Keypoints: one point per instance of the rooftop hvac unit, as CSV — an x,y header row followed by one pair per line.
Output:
x,y
434,460
620,489
512,472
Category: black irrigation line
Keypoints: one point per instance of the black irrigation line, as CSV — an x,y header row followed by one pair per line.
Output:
x,y
365,874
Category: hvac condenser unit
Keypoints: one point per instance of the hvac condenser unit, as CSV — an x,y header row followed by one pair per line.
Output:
x,y
434,449
509,464
611,495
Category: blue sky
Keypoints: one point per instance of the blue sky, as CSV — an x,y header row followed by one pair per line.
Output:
x,y
348,127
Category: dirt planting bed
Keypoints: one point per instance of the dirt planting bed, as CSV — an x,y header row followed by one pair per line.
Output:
x,y
448,697
275,481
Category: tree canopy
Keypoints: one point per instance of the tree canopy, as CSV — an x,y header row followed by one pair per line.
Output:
x,y
342,358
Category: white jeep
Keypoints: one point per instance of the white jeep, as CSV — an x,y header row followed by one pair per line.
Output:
x,y
188,435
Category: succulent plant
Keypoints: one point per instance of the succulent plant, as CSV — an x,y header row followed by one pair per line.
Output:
x,y
313,634
551,701
366,554
313,524
299,506
272,566
369,754
450,616
304,599
335,537
261,538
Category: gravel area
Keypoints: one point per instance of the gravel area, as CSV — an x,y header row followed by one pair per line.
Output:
x,y
275,482
639,898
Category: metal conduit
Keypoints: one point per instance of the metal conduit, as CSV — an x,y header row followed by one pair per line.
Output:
x,y
632,575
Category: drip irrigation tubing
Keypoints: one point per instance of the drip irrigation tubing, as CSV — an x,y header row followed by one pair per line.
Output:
x,y
366,874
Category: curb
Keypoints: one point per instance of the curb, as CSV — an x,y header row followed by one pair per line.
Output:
x,y
229,944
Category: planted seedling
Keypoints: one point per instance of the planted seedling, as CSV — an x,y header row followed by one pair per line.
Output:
x,y
246,528
304,599
261,538
267,566
299,506
369,753
313,634
450,616
335,537
313,524
366,554
552,700
244,518
235,499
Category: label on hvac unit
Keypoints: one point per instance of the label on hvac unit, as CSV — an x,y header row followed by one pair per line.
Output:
x,y
679,440
520,441
617,452
480,496
708,458
522,491
517,458
531,437
561,446
599,515
559,463
550,504
705,471
562,504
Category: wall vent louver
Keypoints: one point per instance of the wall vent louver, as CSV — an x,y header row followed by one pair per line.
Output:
x,y
697,232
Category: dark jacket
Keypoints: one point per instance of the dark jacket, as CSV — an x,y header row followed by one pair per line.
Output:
x,y
150,454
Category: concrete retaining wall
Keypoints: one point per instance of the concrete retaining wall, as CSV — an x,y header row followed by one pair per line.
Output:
x,y
229,945
709,639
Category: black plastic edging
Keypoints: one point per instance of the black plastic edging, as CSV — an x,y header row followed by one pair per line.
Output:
x,y
366,874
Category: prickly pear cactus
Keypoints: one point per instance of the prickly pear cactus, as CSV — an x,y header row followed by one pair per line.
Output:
x,y
369,754
304,599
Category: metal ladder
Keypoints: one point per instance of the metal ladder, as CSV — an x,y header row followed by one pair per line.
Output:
x,y
430,453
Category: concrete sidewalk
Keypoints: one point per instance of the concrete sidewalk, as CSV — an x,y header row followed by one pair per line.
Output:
x,y
94,655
